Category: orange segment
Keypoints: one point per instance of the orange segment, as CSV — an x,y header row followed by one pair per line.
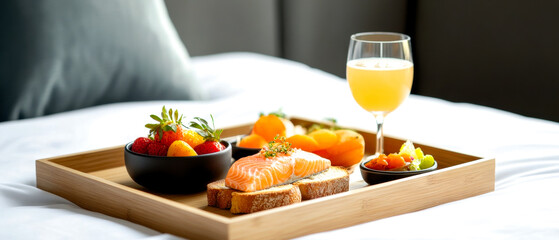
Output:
x,y
252,141
303,142
269,127
347,159
349,149
347,141
324,137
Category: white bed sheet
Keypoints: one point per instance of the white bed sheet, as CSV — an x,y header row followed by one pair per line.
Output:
x,y
524,204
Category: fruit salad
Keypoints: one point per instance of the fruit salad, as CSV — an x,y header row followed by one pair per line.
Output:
x,y
408,159
343,147
170,137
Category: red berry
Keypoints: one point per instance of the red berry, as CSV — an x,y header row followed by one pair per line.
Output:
x,y
209,147
168,127
170,136
157,149
141,144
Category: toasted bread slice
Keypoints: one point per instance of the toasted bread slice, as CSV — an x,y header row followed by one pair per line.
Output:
x,y
249,202
219,195
224,197
332,181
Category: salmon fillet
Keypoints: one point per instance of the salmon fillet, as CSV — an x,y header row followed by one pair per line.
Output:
x,y
256,172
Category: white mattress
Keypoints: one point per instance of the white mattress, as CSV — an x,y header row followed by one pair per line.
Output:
x,y
524,205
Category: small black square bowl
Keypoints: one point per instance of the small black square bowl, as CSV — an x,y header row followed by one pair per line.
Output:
x,y
372,176
177,175
241,152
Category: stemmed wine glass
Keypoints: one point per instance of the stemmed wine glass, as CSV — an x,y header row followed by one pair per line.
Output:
x,y
380,74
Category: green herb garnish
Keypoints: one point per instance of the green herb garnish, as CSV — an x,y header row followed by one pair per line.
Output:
x,y
275,147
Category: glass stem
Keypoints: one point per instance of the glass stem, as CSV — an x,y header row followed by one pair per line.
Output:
x,y
380,134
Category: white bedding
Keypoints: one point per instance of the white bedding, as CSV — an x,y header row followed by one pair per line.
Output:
x,y
524,205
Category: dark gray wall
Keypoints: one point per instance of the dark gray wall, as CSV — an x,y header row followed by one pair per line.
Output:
x,y
215,26
315,32
501,54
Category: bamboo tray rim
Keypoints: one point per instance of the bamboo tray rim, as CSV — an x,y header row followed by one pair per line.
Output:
x,y
243,217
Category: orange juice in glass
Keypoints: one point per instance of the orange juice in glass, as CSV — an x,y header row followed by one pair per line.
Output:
x,y
380,85
380,74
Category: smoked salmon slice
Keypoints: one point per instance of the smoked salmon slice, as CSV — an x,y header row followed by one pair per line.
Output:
x,y
257,172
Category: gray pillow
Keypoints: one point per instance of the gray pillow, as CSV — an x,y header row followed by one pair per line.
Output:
x,y
59,55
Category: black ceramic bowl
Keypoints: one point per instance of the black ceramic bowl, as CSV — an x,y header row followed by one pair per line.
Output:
x,y
177,174
372,176
240,152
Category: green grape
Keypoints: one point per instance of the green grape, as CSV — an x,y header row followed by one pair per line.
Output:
x,y
427,162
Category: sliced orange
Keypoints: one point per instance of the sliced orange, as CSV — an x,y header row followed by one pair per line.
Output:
x,y
347,159
326,138
349,150
303,142
269,127
252,141
347,140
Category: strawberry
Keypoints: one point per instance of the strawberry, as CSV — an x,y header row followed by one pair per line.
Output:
x,y
209,147
170,136
140,145
157,149
169,127
211,136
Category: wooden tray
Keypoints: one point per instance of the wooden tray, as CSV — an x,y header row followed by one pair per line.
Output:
x,y
98,181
